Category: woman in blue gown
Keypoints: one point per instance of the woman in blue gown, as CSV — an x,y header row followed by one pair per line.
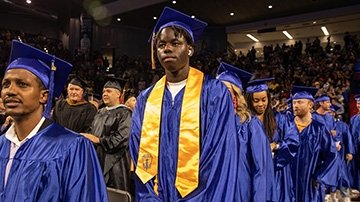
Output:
x,y
255,178
281,134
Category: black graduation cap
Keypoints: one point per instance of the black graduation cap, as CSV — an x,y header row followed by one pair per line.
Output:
x,y
79,82
114,82
130,93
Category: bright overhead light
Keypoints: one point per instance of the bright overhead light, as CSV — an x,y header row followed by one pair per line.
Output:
x,y
326,33
270,6
252,37
154,17
287,34
314,22
118,19
232,14
174,2
193,16
28,1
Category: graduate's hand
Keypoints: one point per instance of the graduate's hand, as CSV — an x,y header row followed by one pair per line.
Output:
x,y
333,133
8,121
273,146
349,157
338,146
91,137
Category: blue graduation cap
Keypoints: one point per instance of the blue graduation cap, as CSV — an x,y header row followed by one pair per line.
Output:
x,y
357,97
322,98
232,74
258,85
303,92
52,71
171,17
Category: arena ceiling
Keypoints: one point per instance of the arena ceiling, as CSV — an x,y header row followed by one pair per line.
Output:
x,y
248,15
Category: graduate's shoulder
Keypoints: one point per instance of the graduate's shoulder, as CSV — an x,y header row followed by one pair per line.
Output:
x,y
59,138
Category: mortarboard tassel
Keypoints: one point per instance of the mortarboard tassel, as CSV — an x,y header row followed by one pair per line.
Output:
x,y
153,66
51,90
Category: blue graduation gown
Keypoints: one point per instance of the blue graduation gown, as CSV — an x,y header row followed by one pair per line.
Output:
x,y
218,149
315,160
54,165
344,137
256,173
325,119
355,164
287,136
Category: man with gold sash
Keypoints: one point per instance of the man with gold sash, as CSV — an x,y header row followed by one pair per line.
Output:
x,y
183,136
314,165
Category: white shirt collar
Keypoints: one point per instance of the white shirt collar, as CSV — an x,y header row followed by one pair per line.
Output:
x,y
11,135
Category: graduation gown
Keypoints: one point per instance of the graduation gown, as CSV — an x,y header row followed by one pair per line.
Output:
x,y
355,164
315,161
256,181
218,146
325,119
54,165
287,136
344,137
113,128
77,118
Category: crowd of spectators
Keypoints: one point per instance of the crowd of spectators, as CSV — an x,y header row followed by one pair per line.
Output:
x,y
328,68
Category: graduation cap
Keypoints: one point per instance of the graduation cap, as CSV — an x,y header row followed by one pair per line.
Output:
x,y
232,74
79,82
322,98
171,17
114,82
258,85
357,97
130,93
303,92
52,71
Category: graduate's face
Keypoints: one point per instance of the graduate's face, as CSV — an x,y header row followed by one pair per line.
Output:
x,y
325,105
111,97
75,93
302,107
22,93
173,51
260,102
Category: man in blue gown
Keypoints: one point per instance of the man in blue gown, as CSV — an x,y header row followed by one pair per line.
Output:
x,y
355,132
183,137
41,160
314,165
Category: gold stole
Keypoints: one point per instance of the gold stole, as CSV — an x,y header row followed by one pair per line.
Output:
x,y
187,174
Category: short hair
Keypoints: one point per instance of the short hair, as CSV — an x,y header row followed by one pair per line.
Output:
x,y
178,32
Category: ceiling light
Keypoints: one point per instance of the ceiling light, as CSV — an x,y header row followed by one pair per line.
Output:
x,y
270,6
28,1
174,2
193,16
118,19
232,14
252,37
326,33
287,34
154,17
314,22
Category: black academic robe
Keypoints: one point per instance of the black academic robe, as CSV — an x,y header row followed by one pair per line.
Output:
x,y
113,128
77,118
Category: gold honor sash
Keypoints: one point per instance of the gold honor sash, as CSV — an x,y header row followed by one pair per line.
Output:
x,y
187,174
